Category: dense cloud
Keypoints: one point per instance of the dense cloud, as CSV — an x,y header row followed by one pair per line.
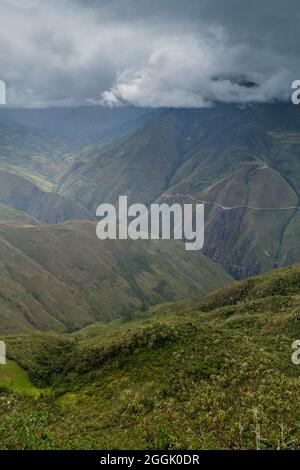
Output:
x,y
148,53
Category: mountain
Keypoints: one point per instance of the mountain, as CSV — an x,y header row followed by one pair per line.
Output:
x,y
61,277
10,215
243,162
23,195
78,126
141,166
42,144
212,375
58,276
37,155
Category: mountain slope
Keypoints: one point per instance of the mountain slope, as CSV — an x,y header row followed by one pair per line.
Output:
x,y
217,375
243,163
37,155
78,126
49,207
8,214
140,166
61,277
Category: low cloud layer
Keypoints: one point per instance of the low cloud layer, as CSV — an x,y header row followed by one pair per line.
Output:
x,y
171,53
182,71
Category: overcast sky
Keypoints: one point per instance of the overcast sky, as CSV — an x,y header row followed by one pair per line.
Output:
x,y
181,53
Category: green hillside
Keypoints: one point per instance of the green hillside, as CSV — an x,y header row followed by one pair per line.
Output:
x,y
214,375
61,277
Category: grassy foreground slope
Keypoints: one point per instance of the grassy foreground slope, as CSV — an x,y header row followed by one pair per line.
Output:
x,y
212,375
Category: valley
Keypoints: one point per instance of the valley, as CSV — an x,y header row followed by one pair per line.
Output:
x,y
241,163
122,344
215,374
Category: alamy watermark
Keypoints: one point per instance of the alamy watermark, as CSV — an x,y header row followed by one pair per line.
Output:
x,y
296,92
296,353
2,92
2,353
158,222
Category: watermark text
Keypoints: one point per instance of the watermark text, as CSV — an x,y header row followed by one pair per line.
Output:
x,y
158,222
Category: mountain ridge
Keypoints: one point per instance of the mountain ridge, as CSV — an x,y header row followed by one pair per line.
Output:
x,y
229,157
